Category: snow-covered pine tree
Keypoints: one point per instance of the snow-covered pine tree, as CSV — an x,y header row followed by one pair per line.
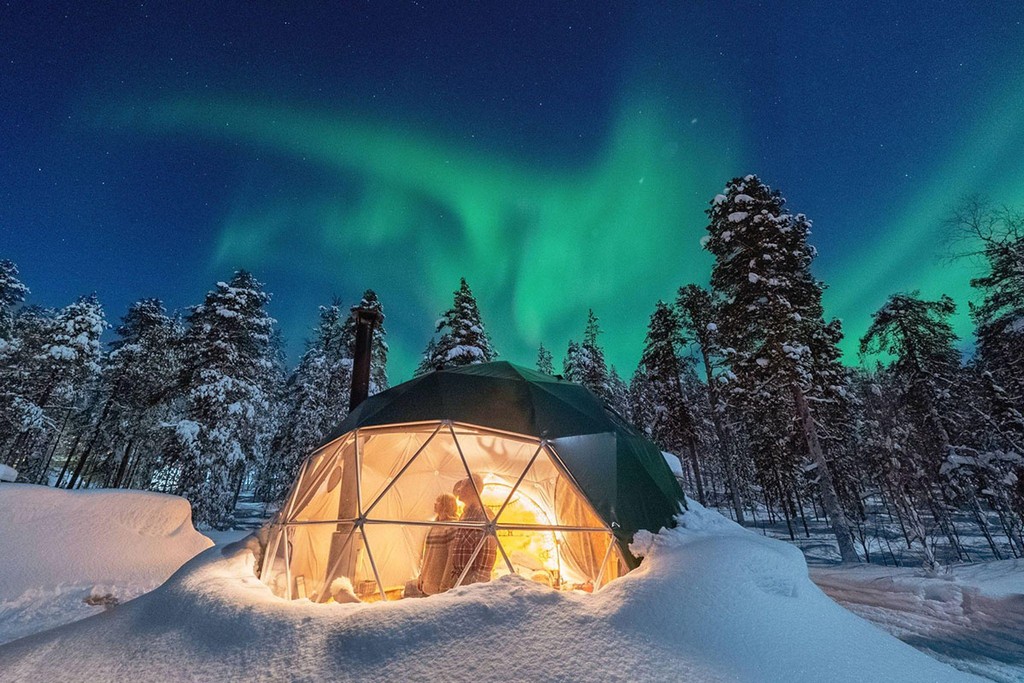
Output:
x,y
593,368
223,431
882,436
463,340
68,365
572,363
18,414
697,316
584,362
997,235
925,369
672,427
770,315
23,378
132,398
545,363
316,399
641,407
12,294
619,394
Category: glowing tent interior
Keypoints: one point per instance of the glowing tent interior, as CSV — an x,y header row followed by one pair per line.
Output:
x,y
551,485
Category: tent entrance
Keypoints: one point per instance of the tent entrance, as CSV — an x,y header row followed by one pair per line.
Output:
x,y
414,510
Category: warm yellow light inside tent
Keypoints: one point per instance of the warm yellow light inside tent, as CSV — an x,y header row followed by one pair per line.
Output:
x,y
356,525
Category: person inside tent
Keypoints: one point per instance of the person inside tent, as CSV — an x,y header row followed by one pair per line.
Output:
x,y
437,546
465,541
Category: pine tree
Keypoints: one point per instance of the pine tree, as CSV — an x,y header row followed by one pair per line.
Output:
x,y
697,315
18,413
224,431
771,315
316,399
24,376
917,334
998,234
138,375
584,362
672,427
68,365
545,363
463,340
12,294
619,394
594,370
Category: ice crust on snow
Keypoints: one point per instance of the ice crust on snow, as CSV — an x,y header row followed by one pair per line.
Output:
x,y
711,602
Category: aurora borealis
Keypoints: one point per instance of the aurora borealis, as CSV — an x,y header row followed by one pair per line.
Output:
x,y
558,157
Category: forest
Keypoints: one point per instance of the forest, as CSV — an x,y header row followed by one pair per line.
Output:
x,y
913,444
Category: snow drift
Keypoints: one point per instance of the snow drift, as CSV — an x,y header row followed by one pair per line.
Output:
x,y
711,602
60,548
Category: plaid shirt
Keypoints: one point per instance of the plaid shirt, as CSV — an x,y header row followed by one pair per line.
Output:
x,y
464,543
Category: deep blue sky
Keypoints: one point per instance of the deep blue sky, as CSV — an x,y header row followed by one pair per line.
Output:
x,y
149,150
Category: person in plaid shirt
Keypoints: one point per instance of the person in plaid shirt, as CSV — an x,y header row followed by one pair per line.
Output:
x,y
437,546
465,541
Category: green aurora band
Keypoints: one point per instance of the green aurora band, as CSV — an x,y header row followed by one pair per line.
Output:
x,y
540,245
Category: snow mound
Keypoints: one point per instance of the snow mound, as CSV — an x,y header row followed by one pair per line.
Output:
x,y
711,602
61,548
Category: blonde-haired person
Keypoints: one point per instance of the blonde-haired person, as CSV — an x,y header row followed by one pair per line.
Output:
x,y
437,546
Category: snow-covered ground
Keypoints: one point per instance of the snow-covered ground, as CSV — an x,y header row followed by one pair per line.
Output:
x,y
711,602
60,549
971,616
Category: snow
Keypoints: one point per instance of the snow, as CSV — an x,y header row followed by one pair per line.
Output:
x,y
59,547
738,216
674,463
711,602
8,473
969,615
712,327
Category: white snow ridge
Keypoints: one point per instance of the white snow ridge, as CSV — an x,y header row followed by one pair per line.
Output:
x,y
711,602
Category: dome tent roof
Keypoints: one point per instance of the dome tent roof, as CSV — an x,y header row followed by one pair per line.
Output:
x,y
621,473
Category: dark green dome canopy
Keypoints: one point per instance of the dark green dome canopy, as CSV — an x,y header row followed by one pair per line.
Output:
x,y
622,473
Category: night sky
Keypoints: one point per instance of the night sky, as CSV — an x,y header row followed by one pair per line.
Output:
x,y
559,156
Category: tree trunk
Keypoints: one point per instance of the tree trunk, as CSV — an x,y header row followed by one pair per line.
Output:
x,y
723,445
43,479
123,466
834,511
67,461
695,465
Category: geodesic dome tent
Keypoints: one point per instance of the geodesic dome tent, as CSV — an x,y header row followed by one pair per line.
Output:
x,y
565,484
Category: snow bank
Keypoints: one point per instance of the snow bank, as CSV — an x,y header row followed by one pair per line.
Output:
x,y
61,547
711,602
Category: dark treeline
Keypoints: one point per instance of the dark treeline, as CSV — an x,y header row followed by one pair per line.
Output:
x,y
741,379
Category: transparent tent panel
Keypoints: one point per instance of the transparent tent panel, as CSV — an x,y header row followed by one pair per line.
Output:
x,y
274,572
431,474
545,497
398,478
327,490
384,454
565,560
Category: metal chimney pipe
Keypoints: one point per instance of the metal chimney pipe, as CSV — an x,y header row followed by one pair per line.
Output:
x,y
366,321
